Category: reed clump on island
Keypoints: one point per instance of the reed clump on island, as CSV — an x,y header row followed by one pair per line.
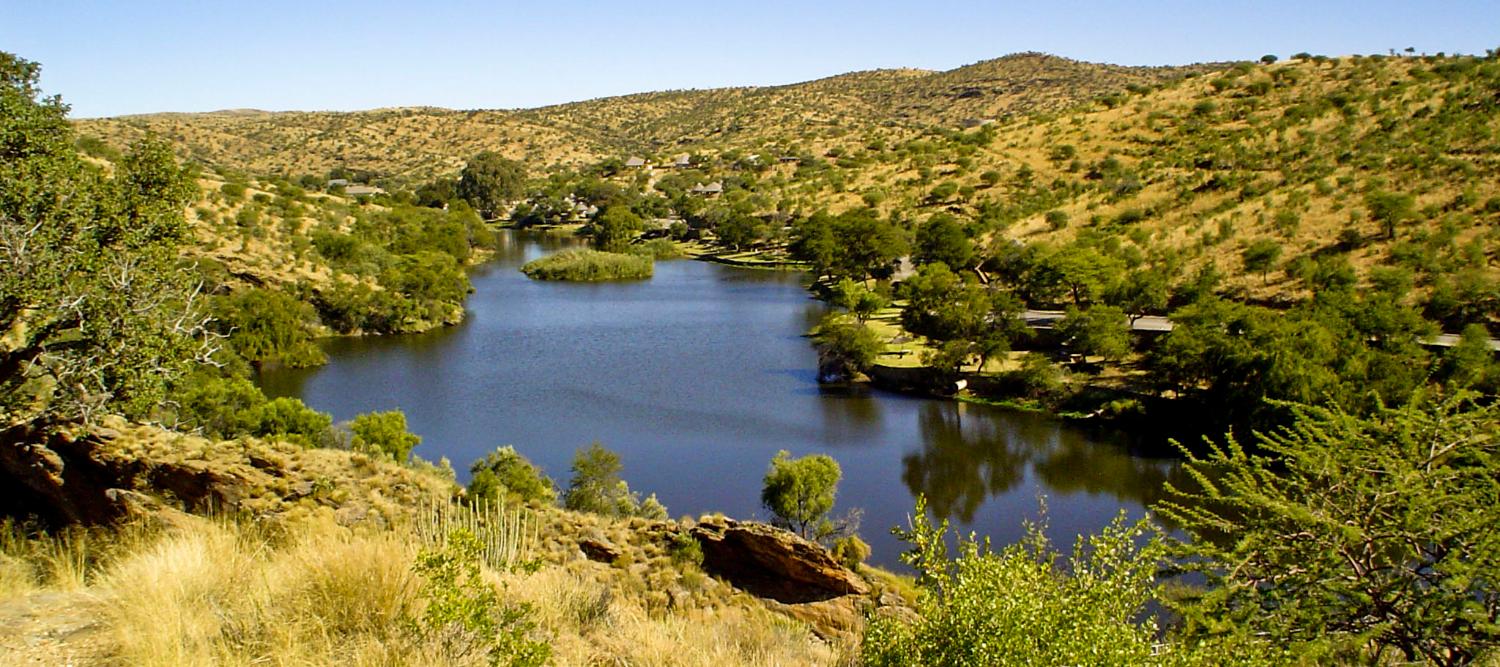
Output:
x,y
585,265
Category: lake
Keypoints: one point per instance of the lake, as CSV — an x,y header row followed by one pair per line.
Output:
x,y
696,378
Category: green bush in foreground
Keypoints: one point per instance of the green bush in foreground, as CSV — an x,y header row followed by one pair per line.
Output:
x,y
1021,606
465,615
588,266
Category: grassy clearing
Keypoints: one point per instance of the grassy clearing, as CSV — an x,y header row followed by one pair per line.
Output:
x,y
589,266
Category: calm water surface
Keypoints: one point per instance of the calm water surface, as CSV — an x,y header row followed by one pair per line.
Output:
x,y
696,378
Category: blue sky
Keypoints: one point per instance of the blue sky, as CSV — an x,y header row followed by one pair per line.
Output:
x,y
111,58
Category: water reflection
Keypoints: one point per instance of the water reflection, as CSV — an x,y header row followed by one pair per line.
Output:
x,y
967,459
962,462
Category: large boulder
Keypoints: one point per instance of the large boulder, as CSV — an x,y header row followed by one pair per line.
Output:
x,y
773,563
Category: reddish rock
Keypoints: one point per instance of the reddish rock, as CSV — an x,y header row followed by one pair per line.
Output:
x,y
773,563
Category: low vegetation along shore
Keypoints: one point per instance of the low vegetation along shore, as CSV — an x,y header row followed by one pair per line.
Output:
x,y
585,265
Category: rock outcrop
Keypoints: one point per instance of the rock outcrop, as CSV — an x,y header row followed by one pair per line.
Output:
x,y
773,563
118,470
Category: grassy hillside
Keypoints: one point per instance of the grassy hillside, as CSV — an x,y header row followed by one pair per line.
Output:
x,y
418,143
319,560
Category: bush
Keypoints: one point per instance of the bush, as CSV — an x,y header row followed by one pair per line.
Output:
x,y
289,419
1057,220
384,433
1353,537
506,475
658,249
851,551
588,266
464,614
846,348
1018,606
684,548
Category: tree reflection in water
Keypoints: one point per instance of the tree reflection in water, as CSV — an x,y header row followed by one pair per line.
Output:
x,y
968,457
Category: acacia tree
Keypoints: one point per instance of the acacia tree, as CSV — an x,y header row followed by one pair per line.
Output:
x,y
489,181
94,312
800,492
1352,537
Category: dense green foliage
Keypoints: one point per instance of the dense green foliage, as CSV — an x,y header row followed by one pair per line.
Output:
x,y
385,434
1352,538
94,313
596,487
228,407
846,348
489,181
269,326
800,492
589,266
505,474
856,244
1020,606
1102,330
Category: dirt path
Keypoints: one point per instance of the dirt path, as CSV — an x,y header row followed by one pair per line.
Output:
x,y
54,629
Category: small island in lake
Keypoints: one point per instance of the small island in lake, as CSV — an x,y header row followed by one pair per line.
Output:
x,y
585,265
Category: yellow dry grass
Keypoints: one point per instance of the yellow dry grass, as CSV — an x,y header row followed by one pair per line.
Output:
x,y
222,591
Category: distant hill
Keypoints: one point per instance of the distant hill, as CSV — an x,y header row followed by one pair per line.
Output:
x,y
417,143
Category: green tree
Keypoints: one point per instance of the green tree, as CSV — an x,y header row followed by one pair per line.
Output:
x,y
800,492
864,244
506,475
615,228
1390,209
845,349
384,433
489,181
813,241
1084,271
596,485
95,313
265,325
1471,363
1260,256
942,239
1351,538
1141,293
855,297
1102,330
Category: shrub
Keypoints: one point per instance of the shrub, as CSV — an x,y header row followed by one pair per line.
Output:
x,y
507,475
846,348
588,266
464,614
1019,606
684,548
384,433
851,551
1354,537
